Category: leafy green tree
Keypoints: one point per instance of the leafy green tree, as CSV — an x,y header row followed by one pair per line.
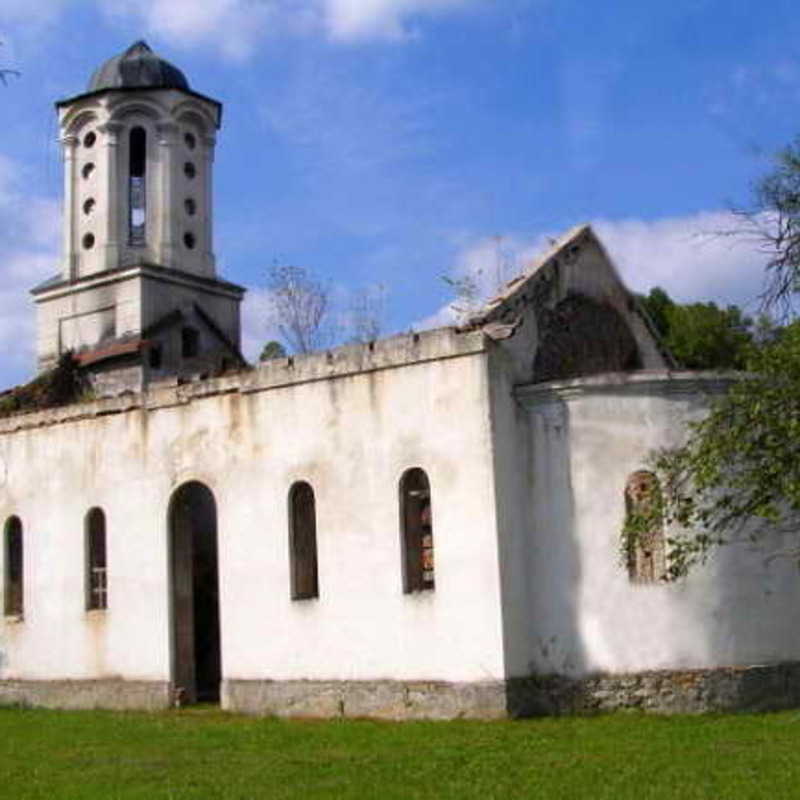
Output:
x,y
739,473
272,349
700,335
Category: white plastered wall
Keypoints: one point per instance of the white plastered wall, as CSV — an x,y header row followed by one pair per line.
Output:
x,y
584,614
351,437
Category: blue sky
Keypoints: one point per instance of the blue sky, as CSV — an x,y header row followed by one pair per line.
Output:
x,y
389,142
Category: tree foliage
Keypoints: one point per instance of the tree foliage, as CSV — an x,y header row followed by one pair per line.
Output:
x,y
701,335
272,349
738,476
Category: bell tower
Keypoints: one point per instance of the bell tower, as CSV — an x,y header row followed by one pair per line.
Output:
x,y
138,151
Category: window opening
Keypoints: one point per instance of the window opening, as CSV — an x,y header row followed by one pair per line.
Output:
x,y
87,170
96,572
643,534
189,170
154,357
303,542
417,531
190,140
89,139
190,206
13,595
88,241
88,205
190,342
189,240
137,188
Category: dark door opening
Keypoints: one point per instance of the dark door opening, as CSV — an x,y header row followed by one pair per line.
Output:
x,y
196,657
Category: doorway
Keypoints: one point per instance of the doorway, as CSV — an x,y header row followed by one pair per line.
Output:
x,y
194,592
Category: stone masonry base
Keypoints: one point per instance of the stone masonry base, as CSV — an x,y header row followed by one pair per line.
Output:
x,y
756,688
110,693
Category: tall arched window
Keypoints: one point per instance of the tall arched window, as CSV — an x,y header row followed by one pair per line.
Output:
x,y
303,541
96,574
137,188
417,530
644,528
13,600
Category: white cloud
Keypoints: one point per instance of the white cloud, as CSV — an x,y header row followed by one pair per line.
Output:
x,y
690,257
236,27
31,228
687,256
40,12
257,326
362,19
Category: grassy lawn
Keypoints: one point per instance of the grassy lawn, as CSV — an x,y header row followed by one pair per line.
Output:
x,y
208,754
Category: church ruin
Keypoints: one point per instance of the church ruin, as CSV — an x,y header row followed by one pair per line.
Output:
x,y
425,526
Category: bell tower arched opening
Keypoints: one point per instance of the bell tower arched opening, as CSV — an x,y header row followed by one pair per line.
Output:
x,y
137,186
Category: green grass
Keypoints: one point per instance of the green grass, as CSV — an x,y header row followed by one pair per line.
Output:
x,y
209,754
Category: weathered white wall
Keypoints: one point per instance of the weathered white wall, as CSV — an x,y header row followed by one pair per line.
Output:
x,y
72,316
422,402
586,437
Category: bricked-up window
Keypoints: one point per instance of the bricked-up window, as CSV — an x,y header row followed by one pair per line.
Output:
x,y
303,541
137,187
96,574
417,531
644,528
13,583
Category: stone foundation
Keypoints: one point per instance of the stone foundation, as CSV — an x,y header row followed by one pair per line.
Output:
x,y
756,688
111,693
383,699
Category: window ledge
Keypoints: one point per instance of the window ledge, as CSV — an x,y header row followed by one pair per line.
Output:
x,y
13,619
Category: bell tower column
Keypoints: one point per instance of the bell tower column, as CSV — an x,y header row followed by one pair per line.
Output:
x,y
167,246
111,131
69,144
207,245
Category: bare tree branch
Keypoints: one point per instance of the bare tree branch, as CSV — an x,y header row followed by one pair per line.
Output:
x,y
300,304
367,313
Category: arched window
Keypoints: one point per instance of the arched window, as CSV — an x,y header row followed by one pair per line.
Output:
x,y
137,189
303,541
13,583
417,530
96,575
644,528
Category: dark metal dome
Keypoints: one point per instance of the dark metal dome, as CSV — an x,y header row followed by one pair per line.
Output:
x,y
137,68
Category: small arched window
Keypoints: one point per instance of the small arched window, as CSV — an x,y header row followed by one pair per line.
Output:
x,y
644,528
13,604
417,531
303,541
96,572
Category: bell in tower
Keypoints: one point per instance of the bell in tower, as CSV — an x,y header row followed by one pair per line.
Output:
x,y
137,297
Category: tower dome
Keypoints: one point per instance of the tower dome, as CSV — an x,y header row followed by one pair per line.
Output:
x,y
137,68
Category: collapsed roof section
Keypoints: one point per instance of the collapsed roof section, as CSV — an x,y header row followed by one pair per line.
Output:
x,y
569,314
